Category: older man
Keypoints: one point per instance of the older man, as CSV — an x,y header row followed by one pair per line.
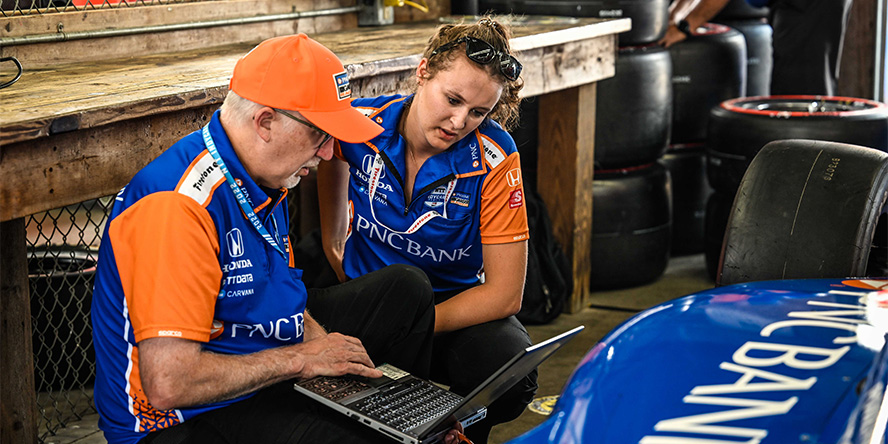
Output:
x,y
199,315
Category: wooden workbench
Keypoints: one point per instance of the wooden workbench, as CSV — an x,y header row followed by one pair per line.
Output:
x,y
80,131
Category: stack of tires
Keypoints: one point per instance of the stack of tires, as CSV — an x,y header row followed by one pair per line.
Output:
x,y
631,208
739,128
707,69
649,17
752,23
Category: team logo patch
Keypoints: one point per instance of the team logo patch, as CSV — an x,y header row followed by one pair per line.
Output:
x,y
514,176
516,199
436,197
342,86
235,243
461,199
367,166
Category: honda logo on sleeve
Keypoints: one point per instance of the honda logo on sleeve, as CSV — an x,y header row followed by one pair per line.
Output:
x,y
235,243
514,176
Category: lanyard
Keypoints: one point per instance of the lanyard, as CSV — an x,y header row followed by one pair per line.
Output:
x,y
376,173
239,194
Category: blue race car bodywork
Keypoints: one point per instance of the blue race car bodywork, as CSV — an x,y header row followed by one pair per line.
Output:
x,y
767,362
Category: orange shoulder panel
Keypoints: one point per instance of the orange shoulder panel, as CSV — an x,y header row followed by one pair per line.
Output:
x,y
503,213
166,248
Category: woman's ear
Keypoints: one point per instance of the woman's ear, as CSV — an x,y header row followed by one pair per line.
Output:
x,y
422,71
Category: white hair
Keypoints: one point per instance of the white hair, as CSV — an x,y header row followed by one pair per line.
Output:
x,y
238,109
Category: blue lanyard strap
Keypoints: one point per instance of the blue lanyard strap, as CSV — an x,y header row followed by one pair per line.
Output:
x,y
238,193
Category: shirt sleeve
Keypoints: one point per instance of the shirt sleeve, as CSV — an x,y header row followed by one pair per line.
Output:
x,y
166,249
503,213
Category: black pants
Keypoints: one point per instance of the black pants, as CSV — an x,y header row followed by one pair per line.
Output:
x,y
464,358
393,329
391,311
807,42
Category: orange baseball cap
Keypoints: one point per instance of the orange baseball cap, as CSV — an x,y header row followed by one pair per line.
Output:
x,y
296,73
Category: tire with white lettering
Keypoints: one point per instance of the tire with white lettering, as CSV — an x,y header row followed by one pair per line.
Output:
x,y
650,18
738,128
805,209
759,59
631,229
740,10
633,125
690,191
707,69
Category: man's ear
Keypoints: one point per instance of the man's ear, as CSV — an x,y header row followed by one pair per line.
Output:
x,y
262,121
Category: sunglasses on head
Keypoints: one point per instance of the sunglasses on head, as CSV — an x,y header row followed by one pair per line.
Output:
x,y
484,53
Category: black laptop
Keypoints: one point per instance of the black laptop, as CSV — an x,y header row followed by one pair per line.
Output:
x,y
416,411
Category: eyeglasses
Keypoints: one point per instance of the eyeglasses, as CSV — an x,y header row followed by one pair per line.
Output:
x,y
326,135
484,53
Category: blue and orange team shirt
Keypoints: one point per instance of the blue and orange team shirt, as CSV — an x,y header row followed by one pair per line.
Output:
x,y
179,259
484,206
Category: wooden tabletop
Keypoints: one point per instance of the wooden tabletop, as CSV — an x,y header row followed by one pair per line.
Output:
x,y
86,95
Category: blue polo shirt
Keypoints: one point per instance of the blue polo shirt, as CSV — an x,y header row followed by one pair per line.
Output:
x,y
180,259
474,187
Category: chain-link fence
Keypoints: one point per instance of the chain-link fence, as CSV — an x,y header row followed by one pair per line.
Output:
x,y
27,7
62,254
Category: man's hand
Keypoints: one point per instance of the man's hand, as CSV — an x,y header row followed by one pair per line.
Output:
x,y
178,373
335,355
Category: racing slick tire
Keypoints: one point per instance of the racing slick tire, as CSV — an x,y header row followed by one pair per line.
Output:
x,y
650,18
740,9
631,226
738,128
707,68
718,211
759,58
690,191
636,109
805,209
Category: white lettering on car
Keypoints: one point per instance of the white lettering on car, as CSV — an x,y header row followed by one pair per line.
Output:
x,y
748,361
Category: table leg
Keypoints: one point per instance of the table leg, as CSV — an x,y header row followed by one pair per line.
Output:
x,y
18,401
566,154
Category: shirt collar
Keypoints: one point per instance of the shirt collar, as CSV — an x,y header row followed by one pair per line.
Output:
x,y
257,197
465,158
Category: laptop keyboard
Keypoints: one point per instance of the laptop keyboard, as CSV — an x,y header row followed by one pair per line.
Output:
x,y
412,404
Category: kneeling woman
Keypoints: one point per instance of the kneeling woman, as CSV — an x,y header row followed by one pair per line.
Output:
x,y
441,189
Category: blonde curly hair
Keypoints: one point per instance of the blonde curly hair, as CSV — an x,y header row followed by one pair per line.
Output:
x,y
497,35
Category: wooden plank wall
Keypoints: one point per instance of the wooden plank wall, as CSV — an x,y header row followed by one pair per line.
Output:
x,y
42,55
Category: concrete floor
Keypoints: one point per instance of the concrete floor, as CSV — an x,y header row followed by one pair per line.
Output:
x,y
684,275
